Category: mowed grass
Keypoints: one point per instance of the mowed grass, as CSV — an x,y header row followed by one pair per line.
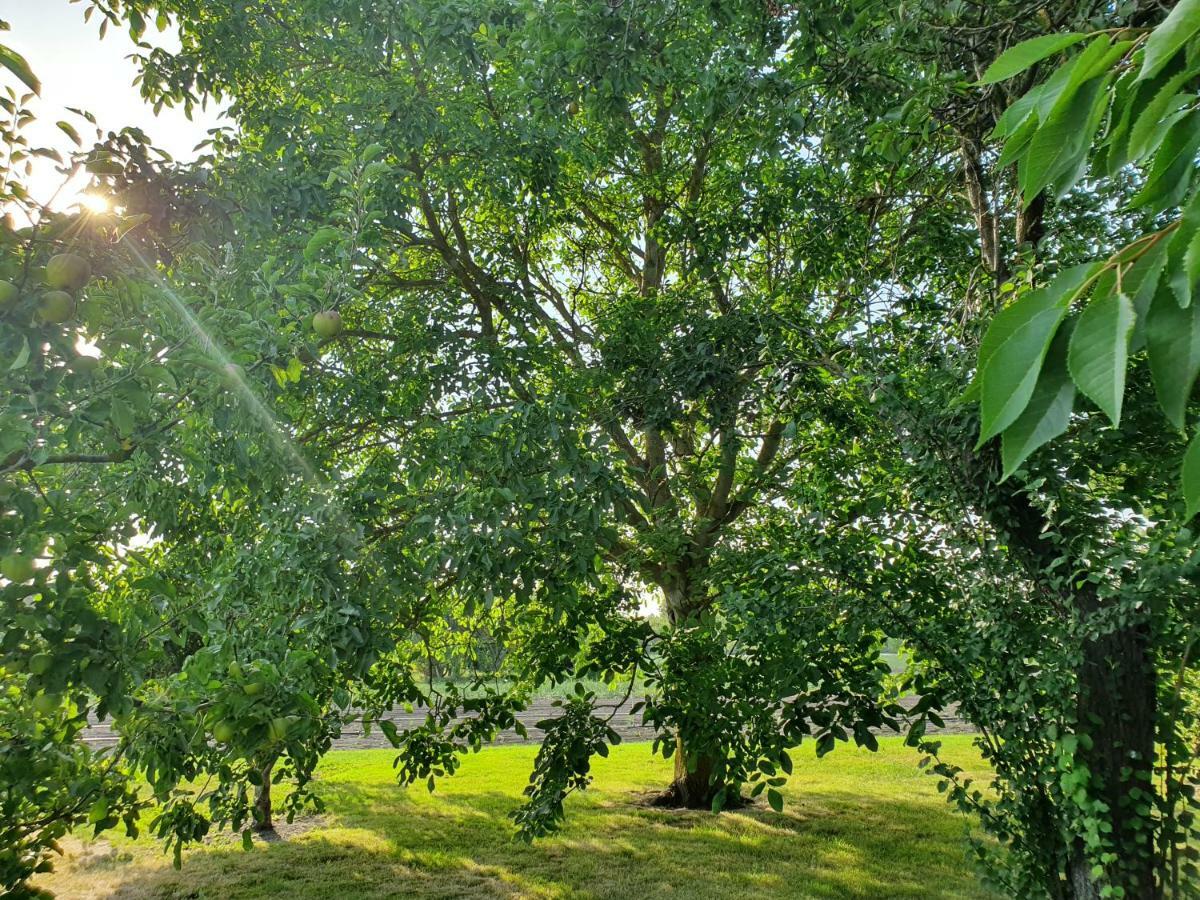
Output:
x,y
856,824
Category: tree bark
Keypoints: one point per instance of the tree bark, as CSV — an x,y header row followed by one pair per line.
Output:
x,y
262,800
692,786
1116,705
1116,709
693,789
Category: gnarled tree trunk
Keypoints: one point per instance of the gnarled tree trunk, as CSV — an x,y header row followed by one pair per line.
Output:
x,y
262,799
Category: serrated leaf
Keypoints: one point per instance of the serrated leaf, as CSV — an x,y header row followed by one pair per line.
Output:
x,y
1174,31
1170,174
1173,347
1099,351
1012,349
1146,132
1018,58
1062,140
1190,476
1049,411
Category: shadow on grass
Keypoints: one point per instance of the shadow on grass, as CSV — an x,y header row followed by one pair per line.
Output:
x,y
382,841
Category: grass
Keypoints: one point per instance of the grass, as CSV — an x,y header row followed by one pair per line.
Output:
x,y
856,824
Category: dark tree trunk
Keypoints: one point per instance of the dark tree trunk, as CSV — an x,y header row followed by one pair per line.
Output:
x,y
1116,708
262,800
1116,699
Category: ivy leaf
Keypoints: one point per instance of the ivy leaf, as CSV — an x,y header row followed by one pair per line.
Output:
x,y
1175,31
16,63
1173,346
1099,350
1049,409
1190,476
1011,352
1018,58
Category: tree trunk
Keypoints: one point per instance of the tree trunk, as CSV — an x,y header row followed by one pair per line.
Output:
x,y
262,800
1115,702
1116,708
694,789
692,786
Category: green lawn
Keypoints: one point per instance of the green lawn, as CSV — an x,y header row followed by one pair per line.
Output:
x,y
856,824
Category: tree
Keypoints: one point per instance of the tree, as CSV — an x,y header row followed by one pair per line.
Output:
x,y
573,263
1083,807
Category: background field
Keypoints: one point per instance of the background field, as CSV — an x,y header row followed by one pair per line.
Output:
x,y
856,825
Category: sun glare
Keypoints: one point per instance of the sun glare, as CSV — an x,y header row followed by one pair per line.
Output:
x,y
94,203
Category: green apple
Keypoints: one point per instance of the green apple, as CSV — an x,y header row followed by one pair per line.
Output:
x,y
56,307
278,728
40,663
84,365
67,272
235,670
8,294
253,688
16,567
224,731
327,323
45,704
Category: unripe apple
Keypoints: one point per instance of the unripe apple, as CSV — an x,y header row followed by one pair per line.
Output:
x,y
278,728
327,323
56,307
16,568
8,294
224,732
45,704
40,663
235,670
253,688
67,272
84,365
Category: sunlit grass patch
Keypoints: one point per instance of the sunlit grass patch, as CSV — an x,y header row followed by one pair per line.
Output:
x,y
856,824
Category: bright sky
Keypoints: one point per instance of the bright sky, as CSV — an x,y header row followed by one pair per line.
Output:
x,y
77,69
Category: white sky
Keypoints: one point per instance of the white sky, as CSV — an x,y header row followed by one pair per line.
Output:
x,y
77,69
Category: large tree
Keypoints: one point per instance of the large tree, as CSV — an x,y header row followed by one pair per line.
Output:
x,y
576,249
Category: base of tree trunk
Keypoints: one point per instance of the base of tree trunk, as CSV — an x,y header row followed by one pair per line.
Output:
x,y
262,801
693,787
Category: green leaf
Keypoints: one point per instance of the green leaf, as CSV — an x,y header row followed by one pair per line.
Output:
x,y
1018,58
319,240
1146,132
69,130
122,417
1170,174
1173,347
1175,31
1099,350
16,63
1059,141
1190,476
775,799
1049,409
1011,352
22,356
